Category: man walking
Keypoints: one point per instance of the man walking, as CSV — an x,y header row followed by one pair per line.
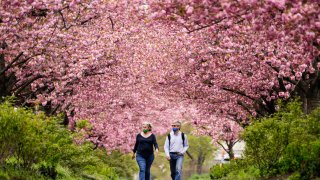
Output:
x,y
175,147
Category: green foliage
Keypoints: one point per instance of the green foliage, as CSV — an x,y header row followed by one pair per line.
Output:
x,y
4,176
294,176
245,173
286,142
34,146
236,169
220,171
84,124
122,163
201,149
200,146
200,177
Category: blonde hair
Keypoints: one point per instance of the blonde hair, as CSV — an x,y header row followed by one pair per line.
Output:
x,y
147,124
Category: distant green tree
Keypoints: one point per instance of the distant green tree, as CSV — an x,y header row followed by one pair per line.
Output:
x,y
201,149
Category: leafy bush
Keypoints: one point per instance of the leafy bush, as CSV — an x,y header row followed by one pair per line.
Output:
x,y
220,171
245,173
287,142
34,146
200,177
4,176
236,169
294,176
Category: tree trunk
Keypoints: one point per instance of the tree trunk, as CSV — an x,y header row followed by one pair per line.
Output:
x,y
308,89
230,152
229,148
200,162
2,77
312,101
311,95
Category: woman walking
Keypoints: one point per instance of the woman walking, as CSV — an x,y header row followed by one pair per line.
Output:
x,y
143,149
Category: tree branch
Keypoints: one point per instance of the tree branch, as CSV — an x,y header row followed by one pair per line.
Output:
x,y
235,142
63,20
223,147
87,20
217,21
20,88
206,26
238,92
26,60
112,23
11,63
296,83
245,106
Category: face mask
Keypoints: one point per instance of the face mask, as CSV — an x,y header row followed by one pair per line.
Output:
x,y
175,129
145,130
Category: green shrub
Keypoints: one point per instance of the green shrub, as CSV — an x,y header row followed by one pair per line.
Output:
x,y
219,171
200,177
245,174
236,169
286,142
34,146
294,176
4,176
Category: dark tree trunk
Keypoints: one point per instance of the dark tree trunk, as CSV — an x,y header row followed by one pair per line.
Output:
x,y
201,158
2,77
311,102
230,150
313,96
309,89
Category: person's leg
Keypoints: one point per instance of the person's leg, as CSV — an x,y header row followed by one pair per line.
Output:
x,y
142,166
173,161
148,166
178,174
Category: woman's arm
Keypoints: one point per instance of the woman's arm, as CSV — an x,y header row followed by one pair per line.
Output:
x,y
135,147
155,143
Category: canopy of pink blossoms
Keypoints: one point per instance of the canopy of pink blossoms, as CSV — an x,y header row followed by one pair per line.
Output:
x,y
119,63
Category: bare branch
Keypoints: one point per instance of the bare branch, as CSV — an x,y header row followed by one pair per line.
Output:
x,y
63,20
89,19
222,146
112,23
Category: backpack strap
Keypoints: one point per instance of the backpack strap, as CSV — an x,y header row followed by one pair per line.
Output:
x,y
182,138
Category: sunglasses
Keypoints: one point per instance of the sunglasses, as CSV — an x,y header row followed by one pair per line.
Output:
x,y
175,126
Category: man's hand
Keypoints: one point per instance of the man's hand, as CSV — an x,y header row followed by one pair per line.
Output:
x,y
168,158
157,151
